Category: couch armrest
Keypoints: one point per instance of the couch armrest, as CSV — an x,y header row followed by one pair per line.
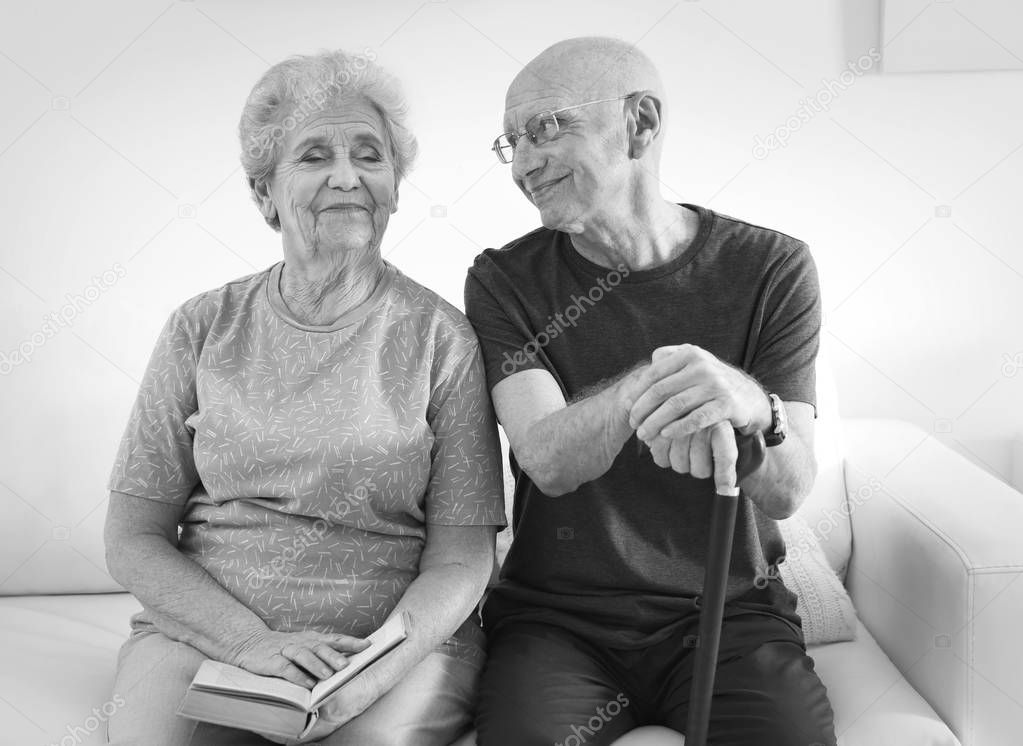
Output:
x,y
935,563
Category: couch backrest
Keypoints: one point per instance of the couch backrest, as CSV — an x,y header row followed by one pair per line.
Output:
x,y
47,547
825,509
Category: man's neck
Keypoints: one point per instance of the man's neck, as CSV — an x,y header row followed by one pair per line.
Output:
x,y
649,236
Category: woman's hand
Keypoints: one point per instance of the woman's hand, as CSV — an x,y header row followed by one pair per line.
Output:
x,y
345,705
338,709
302,658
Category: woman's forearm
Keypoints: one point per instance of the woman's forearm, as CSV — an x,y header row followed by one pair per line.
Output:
x,y
438,600
188,604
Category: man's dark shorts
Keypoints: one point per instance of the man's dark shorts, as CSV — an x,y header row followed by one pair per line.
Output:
x,y
544,684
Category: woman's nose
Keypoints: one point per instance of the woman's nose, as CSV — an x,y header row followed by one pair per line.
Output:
x,y
343,174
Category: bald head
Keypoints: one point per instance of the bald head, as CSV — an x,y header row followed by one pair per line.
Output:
x,y
585,68
599,156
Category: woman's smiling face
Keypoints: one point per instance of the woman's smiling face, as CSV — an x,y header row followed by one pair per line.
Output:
x,y
334,184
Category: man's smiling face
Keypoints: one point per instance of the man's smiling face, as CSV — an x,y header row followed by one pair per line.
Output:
x,y
578,174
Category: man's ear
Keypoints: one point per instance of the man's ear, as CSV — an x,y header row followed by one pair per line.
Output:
x,y
394,200
645,126
261,193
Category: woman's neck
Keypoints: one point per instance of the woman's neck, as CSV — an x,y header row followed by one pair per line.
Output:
x,y
318,295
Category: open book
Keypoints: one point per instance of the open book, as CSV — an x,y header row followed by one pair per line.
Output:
x,y
227,695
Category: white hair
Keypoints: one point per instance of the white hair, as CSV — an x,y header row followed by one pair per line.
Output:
x,y
290,91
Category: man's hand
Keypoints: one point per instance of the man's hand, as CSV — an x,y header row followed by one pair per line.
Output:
x,y
709,452
686,391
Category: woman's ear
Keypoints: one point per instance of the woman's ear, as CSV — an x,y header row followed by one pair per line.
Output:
x,y
645,126
261,193
394,200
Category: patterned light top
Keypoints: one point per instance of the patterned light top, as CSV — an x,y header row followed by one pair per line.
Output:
x,y
310,461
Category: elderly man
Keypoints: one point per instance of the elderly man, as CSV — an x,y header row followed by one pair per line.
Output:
x,y
626,342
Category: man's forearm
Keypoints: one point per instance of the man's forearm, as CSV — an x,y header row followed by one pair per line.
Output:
x,y
578,444
189,605
785,478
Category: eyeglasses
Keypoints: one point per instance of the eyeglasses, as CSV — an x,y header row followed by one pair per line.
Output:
x,y
540,129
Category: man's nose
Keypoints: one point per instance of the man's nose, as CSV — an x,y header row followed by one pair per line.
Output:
x,y
527,159
343,174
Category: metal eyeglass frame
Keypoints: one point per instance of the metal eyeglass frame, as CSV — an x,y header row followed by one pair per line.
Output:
x,y
512,138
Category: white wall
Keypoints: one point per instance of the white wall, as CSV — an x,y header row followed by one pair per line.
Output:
x,y
118,153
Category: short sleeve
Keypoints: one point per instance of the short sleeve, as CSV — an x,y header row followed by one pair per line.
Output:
x,y
155,458
466,486
505,338
789,338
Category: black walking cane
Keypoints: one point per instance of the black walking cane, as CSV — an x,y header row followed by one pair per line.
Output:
x,y
715,584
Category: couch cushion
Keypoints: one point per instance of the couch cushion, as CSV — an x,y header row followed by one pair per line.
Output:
x,y
873,704
59,654
822,601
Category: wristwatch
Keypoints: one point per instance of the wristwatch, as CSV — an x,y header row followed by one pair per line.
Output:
x,y
779,422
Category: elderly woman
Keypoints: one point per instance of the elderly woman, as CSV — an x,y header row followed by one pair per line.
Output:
x,y
312,449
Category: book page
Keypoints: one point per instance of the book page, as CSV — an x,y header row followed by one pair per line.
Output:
x,y
381,642
222,677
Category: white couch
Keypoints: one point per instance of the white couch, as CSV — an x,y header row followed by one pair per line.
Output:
x,y
926,543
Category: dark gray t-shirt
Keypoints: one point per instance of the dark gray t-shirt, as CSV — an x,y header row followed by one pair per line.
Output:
x,y
622,557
